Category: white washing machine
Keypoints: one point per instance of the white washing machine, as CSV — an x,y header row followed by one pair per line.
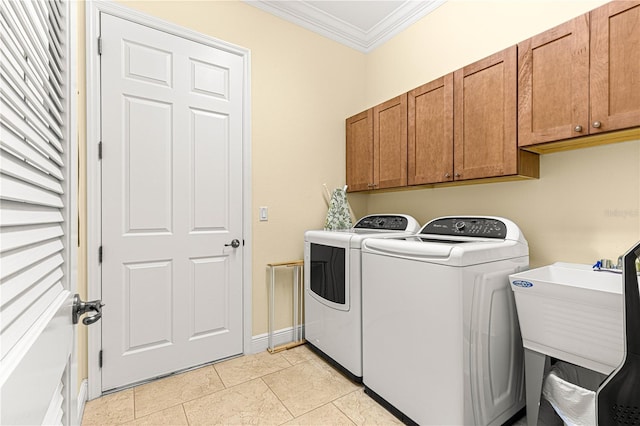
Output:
x,y
441,343
332,281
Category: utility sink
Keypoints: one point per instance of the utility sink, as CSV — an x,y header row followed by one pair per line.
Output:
x,y
571,312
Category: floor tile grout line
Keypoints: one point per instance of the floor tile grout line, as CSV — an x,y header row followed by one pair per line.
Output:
x,y
345,414
134,402
183,402
279,400
340,397
184,411
332,370
277,397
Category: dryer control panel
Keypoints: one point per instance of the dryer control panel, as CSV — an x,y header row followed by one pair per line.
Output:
x,y
466,226
383,222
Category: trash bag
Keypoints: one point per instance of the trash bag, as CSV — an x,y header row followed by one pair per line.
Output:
x,y
571,390
338,216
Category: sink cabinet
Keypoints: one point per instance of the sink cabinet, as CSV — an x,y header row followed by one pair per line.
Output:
x,y
566,76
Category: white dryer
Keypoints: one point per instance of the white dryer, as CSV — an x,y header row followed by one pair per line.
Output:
x,y
441,343
332,281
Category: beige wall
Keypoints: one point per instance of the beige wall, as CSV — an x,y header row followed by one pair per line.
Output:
x,y
457,34
585,206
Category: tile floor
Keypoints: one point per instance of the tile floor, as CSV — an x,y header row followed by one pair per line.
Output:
x,y
293,387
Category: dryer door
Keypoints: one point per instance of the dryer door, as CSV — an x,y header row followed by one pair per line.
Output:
x,y
328,275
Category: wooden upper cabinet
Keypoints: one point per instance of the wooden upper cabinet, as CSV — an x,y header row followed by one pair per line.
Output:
x,y
430,144
377,146
615,66
390,143
485,103
360,151
553,84
581,77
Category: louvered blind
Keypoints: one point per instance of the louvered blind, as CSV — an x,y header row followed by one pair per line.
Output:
x,y
32,137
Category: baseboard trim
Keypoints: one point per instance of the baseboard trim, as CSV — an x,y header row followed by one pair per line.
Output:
x,y
83,393
260,342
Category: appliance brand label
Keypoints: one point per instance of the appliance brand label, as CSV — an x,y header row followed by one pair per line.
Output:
x,y
523,284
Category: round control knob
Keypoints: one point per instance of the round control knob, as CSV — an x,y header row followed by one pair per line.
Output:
x,y
459,226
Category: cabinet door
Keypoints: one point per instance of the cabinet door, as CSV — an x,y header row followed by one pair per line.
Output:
x,y
390,143
553,84
615,66
430,144
360,151
485,143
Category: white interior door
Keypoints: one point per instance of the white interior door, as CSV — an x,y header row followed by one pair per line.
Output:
x,y
171,202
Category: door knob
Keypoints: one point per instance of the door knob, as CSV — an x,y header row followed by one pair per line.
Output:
x,y
234,243
80,308
596,124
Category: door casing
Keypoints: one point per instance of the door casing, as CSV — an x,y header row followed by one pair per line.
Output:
x,y
94,181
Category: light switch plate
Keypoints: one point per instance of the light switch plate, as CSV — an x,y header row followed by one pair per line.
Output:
x,y
264,214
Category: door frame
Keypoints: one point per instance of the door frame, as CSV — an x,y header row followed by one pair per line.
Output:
x,y
94,180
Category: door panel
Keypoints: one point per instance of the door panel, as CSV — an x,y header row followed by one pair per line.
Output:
x,y
148,288
148,195
390,143
430,153
172,190
210,172
553,81
485,140
615,86
360,151
208,311
32,383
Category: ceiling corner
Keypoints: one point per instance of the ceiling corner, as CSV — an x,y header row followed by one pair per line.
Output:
x,y
336,20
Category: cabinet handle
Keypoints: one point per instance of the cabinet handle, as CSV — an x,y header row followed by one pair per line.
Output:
x,y
457,175
578,128
447,175
596,124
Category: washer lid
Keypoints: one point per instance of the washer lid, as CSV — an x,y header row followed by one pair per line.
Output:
x,y
449,253
457,241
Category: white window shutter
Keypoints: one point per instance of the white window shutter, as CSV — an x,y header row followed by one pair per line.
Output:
x,y
32,129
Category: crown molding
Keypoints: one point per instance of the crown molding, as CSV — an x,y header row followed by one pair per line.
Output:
x,y
304,14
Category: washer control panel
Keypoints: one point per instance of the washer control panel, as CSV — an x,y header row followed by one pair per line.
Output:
x,y
466,226
383,222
